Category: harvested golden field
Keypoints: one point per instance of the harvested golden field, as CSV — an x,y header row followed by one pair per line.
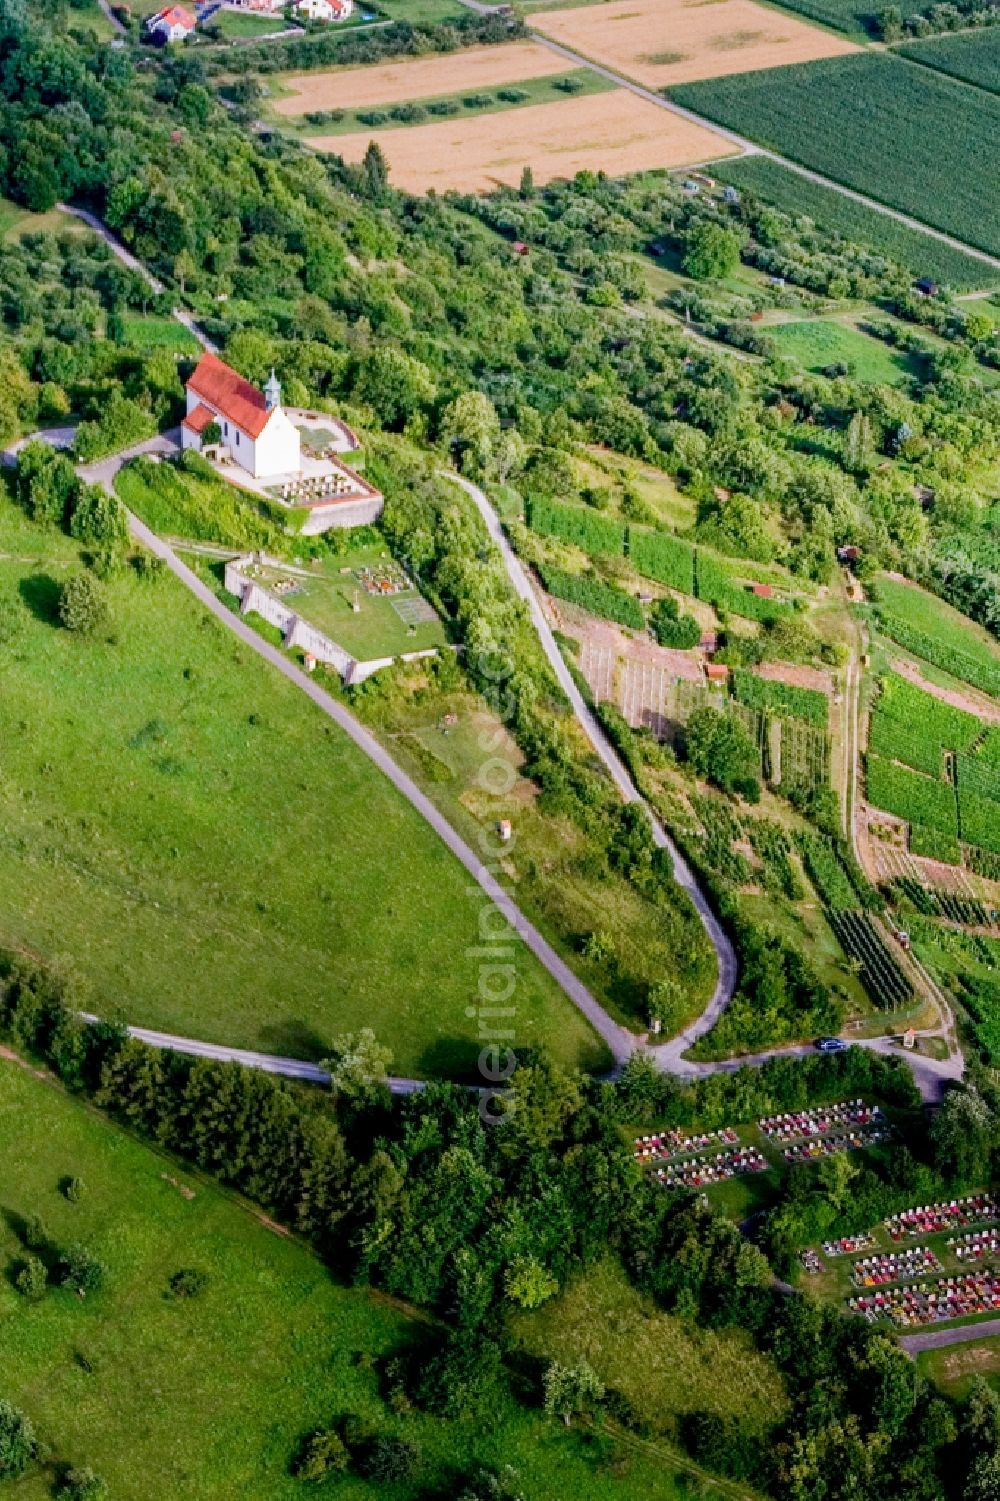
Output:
x,y
416,78
616,131
660,42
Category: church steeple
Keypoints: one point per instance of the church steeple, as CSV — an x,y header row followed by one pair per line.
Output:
x,y
272,392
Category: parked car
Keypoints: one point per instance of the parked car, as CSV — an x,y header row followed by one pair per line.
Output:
x,y
830,1045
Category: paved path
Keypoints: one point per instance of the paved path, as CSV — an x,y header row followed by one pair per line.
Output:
x,y
936,1339
750,148
668,1054
620,1042
113,21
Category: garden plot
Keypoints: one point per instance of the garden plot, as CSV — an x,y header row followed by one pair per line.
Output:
x,y
660,42
615,132
416,78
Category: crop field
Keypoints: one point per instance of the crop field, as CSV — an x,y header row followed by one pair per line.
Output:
x,y
973,57
832,211
415,78
851,16
210,1396
816,343
864,121
614,132
917,799
595,534
590,594
159,333
219,859
782,699
929,628
916,728
664,42
660,556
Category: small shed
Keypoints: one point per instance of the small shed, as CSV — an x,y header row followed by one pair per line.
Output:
x,y
762,591
709,643
849,554
505,830
730,195
926,286
309,662
520,248
716,672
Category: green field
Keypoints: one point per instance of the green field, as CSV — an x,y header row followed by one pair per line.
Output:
x,y
817,343
199,507
159,333
217,859
234,25
974,56
326,595
207,1399
955,1368
929,628
453,106
866,121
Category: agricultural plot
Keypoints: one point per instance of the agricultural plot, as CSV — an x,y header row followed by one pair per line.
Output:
x,y
879,970
664,42
864,121
590,594
850,16
933,630
853,221
786,700
596,535
615,132
805,754
468,71
974,57
917,728
715,584
917,799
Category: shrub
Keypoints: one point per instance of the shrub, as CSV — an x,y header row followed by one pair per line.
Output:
x,y
32,1279
98,518
73,1189
462,1379
80,1270
513,96
83,1485
188,1283
17,1441
323,1453
673,629
389,1458
83,606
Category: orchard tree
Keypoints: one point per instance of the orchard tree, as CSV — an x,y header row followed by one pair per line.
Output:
x,y
570,1390
17,1441
358,1066
528,1284
83,604
323,1454
711,251
99,518
80,1270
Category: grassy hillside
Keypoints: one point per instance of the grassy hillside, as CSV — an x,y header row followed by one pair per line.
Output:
x,y
216,857
206,1399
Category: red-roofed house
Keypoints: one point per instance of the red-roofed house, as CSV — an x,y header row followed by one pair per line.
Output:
x,y
174,23
256,434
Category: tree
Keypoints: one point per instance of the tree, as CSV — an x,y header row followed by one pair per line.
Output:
x,y
375,171
389,1458
17,1441
80,1270
528,1284
462,1379
83,604
358,1066
889,23
527,188
858,449
962,1134
99,518
711,251
393,384
211,435
718,747
46,483
323,1454
570,1389
470,427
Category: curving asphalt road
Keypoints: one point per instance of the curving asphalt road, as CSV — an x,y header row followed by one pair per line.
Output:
x,y
936,1339
668,1054
620,1042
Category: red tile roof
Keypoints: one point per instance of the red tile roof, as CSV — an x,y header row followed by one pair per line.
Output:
x,y
175,15
232,396
199,419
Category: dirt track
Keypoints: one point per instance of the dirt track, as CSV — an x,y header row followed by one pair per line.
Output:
x,y
616,132
418,78
662,42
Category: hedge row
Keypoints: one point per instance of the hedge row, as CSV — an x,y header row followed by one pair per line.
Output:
x,y
782,699
590,594
598,536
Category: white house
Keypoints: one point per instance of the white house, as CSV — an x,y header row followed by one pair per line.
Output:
x,y
255,433
172,24
324,10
